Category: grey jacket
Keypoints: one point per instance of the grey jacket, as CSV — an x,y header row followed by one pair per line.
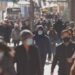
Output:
x,y
15,34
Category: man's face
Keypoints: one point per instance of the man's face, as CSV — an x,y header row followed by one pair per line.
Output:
x,y
65,37
40,31
29,41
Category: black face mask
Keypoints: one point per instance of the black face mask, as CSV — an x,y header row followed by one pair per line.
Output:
x,y
66,39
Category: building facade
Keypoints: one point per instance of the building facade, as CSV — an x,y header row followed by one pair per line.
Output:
x,y
72,9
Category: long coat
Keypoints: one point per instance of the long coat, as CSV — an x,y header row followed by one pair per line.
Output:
x,y
43,43
28,63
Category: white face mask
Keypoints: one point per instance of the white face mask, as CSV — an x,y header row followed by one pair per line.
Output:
x,y
40,32
29,42
1,55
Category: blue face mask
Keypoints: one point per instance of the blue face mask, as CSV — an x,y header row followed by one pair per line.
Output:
x,y
29,42
40,32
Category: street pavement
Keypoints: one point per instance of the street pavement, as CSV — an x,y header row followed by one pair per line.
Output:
x,y
48,70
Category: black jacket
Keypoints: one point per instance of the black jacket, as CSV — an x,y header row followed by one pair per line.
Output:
x,y
62,54
28,63
43,43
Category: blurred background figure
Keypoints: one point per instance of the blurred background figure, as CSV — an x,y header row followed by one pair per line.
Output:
x,y
58,26
26,24
15,35
53,39
70,30
6,59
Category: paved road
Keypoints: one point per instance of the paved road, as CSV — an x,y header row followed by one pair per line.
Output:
x,y
48,69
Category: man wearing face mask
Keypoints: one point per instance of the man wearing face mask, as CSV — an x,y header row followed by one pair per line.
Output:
x,y
27,56
63,54
43,43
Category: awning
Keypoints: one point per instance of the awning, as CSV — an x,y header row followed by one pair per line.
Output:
x,y
24,2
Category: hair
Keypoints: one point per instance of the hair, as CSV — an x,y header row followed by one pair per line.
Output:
x,y
25,34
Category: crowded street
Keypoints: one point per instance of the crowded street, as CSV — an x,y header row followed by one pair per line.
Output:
x,y
47,70
37,37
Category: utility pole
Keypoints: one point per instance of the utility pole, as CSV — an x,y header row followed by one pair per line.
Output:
x,y
72,11
3,6
39,1
31,14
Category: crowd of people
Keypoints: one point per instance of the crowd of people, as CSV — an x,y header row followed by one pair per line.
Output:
x,y
54,41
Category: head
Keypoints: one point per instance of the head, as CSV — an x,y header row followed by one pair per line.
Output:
x,y
27,37
52,31
27,23
40,30
65,36
16,25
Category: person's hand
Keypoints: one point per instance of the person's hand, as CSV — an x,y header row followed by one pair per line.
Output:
x,y
73,66
72,69
1,70
69,60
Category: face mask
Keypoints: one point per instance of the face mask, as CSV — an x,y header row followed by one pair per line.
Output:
x,y
1,55
29,42
66,39
40,32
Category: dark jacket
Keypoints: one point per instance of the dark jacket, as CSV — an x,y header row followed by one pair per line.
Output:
x,y
2,31
7,33
62,54
58,26
28,63
43,43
